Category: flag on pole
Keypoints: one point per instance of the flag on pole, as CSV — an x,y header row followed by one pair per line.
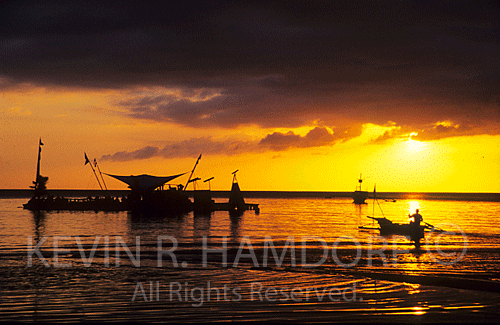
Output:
x,y
41,143
87,161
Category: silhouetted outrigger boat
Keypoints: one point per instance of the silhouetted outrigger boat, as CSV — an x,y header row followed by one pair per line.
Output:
x,y
415,233
387,227
410,230
359,196
147,196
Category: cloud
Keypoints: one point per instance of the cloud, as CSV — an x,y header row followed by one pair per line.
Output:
x,y
186,148
269,64
434,131
143,153
447,129
281,141
387,136
317,137
275,141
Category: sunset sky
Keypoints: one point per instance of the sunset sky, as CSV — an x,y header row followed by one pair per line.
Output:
x,y
296,95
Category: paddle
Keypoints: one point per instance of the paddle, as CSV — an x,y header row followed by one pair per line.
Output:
x,y
432,227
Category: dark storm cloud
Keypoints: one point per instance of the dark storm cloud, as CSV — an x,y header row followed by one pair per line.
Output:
x,y
271,64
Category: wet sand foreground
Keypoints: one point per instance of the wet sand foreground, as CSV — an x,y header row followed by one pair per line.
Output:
x,y
211,293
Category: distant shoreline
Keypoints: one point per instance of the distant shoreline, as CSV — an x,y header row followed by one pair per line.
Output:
x,y
486,197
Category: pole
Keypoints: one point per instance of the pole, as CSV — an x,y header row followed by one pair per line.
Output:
x,y
87,161
208,180
37,179
197,160
99,169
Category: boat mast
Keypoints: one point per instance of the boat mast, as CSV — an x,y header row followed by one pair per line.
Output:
x,y
40,183
99,169
37,179
360,180
87,161
189,179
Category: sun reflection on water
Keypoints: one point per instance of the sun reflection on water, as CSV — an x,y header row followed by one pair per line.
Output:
x,y
413,206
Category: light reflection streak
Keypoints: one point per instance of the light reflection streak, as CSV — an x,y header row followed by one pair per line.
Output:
x,y
412,288
419,310
413,206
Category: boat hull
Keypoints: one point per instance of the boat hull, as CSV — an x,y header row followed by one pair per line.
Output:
x,y
359,197
163,202
172,202
387,227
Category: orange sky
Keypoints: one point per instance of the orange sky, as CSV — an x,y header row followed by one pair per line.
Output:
x,y
297,96
73,121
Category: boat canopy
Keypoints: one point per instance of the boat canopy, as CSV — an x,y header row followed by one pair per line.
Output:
x,y
144,182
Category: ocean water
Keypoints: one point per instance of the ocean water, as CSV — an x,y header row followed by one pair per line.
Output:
x,y
299,259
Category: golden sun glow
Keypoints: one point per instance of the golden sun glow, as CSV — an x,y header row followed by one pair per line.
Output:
x,y
414,147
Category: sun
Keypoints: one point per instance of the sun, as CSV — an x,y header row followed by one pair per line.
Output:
x,y
414,147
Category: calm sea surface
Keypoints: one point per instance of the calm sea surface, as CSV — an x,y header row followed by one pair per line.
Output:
x,y
302,260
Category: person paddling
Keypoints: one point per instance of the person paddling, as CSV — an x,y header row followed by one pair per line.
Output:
x,y
415,231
